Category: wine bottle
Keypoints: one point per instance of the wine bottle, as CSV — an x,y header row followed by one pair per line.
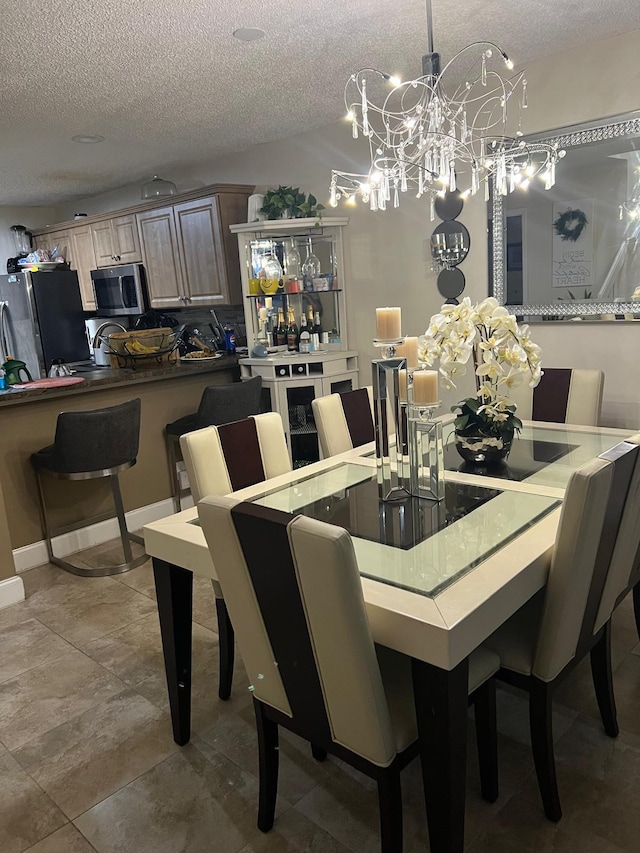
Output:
x,y
292,333
317,328
310,318
304,340
281,329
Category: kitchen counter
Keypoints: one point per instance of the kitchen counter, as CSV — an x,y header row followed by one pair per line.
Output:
x,y
102,378
28,419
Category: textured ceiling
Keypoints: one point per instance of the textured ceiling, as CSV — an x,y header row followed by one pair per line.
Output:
x,y
168,86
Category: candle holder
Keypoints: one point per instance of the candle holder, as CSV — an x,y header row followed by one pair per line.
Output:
x,y
389,420
388,346
426,454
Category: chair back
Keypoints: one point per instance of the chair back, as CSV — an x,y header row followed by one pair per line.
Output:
x,y
294,596
587,532
563,396
222,404
99,439
624,562
226,458
344,421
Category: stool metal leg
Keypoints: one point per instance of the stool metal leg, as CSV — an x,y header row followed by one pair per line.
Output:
x,y
125,537
92,571
45,520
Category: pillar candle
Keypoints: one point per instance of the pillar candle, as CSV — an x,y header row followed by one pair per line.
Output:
x,y
388,324
402,383
409,349
263,313
268,302
425,387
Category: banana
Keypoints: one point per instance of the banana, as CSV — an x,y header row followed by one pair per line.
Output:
x,y
139,348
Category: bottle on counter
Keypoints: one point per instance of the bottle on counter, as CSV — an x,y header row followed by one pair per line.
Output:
x,y
317,327
281,330
292,333
229,339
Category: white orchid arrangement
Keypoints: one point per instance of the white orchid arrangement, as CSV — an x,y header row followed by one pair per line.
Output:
x,y
503,355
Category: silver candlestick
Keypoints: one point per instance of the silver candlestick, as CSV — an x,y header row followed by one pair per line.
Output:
x,y
426,454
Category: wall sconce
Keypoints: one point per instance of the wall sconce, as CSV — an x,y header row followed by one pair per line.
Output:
x,y
450,243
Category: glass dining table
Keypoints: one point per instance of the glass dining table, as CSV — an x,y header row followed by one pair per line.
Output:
x,y
437,577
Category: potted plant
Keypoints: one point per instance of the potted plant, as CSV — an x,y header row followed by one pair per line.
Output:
x,y
503,357
290,203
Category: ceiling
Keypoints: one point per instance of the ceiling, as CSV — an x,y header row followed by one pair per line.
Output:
x,y
168,86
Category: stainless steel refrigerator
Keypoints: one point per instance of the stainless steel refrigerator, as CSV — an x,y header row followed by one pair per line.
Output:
x,y
41,319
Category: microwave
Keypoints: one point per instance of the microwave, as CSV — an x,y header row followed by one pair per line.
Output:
x,y
120,290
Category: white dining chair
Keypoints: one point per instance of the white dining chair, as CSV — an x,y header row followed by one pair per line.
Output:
x,y
223,459
305,641
542,643
344,421
564,395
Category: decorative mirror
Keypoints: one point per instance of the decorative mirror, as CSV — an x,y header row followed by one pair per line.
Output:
x,y
573,250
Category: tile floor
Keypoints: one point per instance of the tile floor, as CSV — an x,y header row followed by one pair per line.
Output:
x,y
87,761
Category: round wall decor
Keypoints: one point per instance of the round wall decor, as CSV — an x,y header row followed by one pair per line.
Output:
x,y
451,283
449,206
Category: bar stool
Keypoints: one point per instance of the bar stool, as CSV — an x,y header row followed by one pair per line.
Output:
x,y
220,404
88,445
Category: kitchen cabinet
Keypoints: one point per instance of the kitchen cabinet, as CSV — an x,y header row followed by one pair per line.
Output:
x,y
83,260
116,241
159,243
55,238
185,253
76,248
190,255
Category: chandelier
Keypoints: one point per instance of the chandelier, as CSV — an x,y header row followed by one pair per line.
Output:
x,y
632,207
445,130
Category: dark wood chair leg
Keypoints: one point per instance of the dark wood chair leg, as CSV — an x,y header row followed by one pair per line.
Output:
x,y
484,702
269,757
318,753
541,727
390,803
602,675
174,592
636,606
226,649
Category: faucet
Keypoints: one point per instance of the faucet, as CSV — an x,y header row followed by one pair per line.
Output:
x,y
96,338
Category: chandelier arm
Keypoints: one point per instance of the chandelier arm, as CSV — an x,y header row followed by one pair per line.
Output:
x,y
467,47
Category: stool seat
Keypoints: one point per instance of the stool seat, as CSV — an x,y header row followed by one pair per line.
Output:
x,y
88,445
185,424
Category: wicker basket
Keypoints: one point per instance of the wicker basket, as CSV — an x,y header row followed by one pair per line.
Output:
x,y
122,352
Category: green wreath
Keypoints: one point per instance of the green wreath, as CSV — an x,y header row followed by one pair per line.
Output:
x,y
570,224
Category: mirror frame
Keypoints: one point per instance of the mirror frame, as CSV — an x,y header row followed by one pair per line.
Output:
x,y
626,125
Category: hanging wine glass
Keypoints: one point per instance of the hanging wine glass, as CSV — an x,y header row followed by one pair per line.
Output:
x,y
292,259
311,267
271,265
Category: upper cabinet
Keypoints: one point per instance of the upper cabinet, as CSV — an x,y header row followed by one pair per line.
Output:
x,y
83,259
187,255
116,241
160,256
76,246
190,255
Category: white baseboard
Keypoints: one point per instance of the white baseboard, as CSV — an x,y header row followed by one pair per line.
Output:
x,y
35,554
11,591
